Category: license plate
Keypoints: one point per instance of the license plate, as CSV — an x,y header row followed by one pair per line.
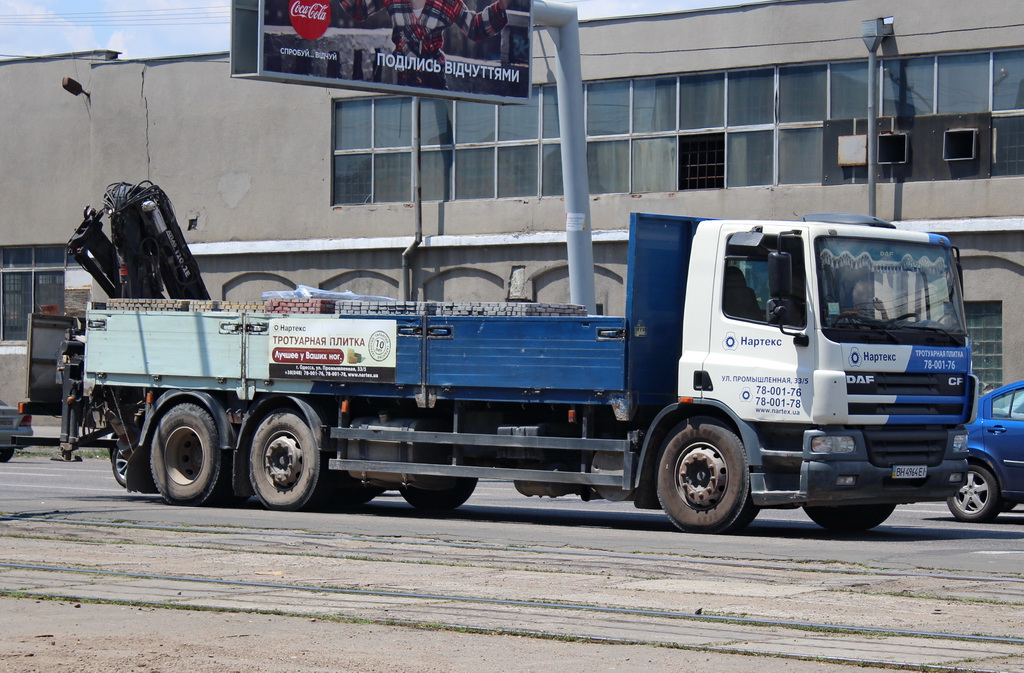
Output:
x,y
6,422
909,471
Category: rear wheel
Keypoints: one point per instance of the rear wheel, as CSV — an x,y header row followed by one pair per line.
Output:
x,y
448,498
979,499
119,456
6,454
850,518
704,480
187,463
285,463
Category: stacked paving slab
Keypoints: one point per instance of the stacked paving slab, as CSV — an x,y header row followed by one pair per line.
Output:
x,y
348,307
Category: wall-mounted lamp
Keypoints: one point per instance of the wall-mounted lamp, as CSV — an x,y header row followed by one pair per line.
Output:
x,y
73,87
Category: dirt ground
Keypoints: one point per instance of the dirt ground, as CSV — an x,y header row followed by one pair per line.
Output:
x,y
42,636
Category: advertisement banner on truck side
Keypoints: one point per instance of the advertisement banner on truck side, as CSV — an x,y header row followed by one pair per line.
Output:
x,y
331,349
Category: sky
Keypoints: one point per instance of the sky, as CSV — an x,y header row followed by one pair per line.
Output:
x,y
148,28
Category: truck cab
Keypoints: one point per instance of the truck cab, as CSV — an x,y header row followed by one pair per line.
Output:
x,y
839,350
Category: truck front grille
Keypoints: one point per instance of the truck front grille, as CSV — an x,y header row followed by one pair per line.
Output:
x,y
892,446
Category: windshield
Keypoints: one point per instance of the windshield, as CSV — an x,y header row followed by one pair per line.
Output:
x,y
888,285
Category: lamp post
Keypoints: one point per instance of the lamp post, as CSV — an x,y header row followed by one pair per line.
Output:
x,y
873,32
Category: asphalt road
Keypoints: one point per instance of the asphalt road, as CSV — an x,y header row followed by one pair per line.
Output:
x,y
919,536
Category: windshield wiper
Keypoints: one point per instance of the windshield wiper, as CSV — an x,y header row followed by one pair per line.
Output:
x,y
863,323
955,338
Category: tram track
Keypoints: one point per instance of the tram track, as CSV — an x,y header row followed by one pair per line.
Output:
x,y
541,551
588,595
653,627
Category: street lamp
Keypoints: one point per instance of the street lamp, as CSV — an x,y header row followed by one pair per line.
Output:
x,y
873,32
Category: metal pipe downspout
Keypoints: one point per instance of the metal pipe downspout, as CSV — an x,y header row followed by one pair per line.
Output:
x,y
564,22
873,32
872,129
406,289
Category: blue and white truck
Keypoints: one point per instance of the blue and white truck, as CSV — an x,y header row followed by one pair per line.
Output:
x,y
821,364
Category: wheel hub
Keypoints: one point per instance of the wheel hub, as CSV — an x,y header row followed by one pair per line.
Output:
x,y
183,456
702,477
283,461
972,497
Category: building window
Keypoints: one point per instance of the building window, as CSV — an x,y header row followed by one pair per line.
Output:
x,y
1008,137
1008,80
654,162
31,281
800,156
668,133
908,85
849,89
963,83
751,97
654,105
750,158
985,328
608,108
702,161
702,101
608,166
802,96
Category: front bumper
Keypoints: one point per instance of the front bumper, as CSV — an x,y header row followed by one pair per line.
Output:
x,y
851,478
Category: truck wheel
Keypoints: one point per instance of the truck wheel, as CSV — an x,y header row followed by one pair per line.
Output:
x,y
449,498
285,463
186,460
6,454
850,518
119,456
704,480
978,500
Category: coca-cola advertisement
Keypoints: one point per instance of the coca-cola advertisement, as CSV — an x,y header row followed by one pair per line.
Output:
x,y
468,49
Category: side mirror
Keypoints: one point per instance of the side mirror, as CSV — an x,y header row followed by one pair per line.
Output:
x,y
780,274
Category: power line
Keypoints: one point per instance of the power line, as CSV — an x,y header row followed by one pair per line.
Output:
x,y
793,43
209,14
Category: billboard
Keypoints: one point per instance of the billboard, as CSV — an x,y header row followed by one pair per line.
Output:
x,y
468,49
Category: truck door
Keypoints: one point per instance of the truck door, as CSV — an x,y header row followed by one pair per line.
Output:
x,y
760,371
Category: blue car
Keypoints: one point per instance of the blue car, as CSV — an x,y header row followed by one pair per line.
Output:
x,y
995,478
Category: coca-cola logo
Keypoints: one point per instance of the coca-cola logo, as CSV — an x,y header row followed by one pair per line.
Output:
x,y
310,18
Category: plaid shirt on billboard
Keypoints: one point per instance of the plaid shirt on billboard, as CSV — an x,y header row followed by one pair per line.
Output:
x,y
423,36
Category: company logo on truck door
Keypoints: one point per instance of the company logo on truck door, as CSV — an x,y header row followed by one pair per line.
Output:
x,y
732,342
858,357
907,358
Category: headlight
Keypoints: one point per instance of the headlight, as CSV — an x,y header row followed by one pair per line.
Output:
x,y
960,443
833,444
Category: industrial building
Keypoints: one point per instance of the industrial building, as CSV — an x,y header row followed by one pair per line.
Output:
x,y
749,111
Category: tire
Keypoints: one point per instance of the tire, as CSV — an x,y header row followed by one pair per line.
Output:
x,y
6,454
849,518
119,456
188,465
704,479
445,499
979,500
285,463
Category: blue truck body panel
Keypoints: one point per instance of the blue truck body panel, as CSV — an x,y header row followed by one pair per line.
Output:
x,y
659,260
566,359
